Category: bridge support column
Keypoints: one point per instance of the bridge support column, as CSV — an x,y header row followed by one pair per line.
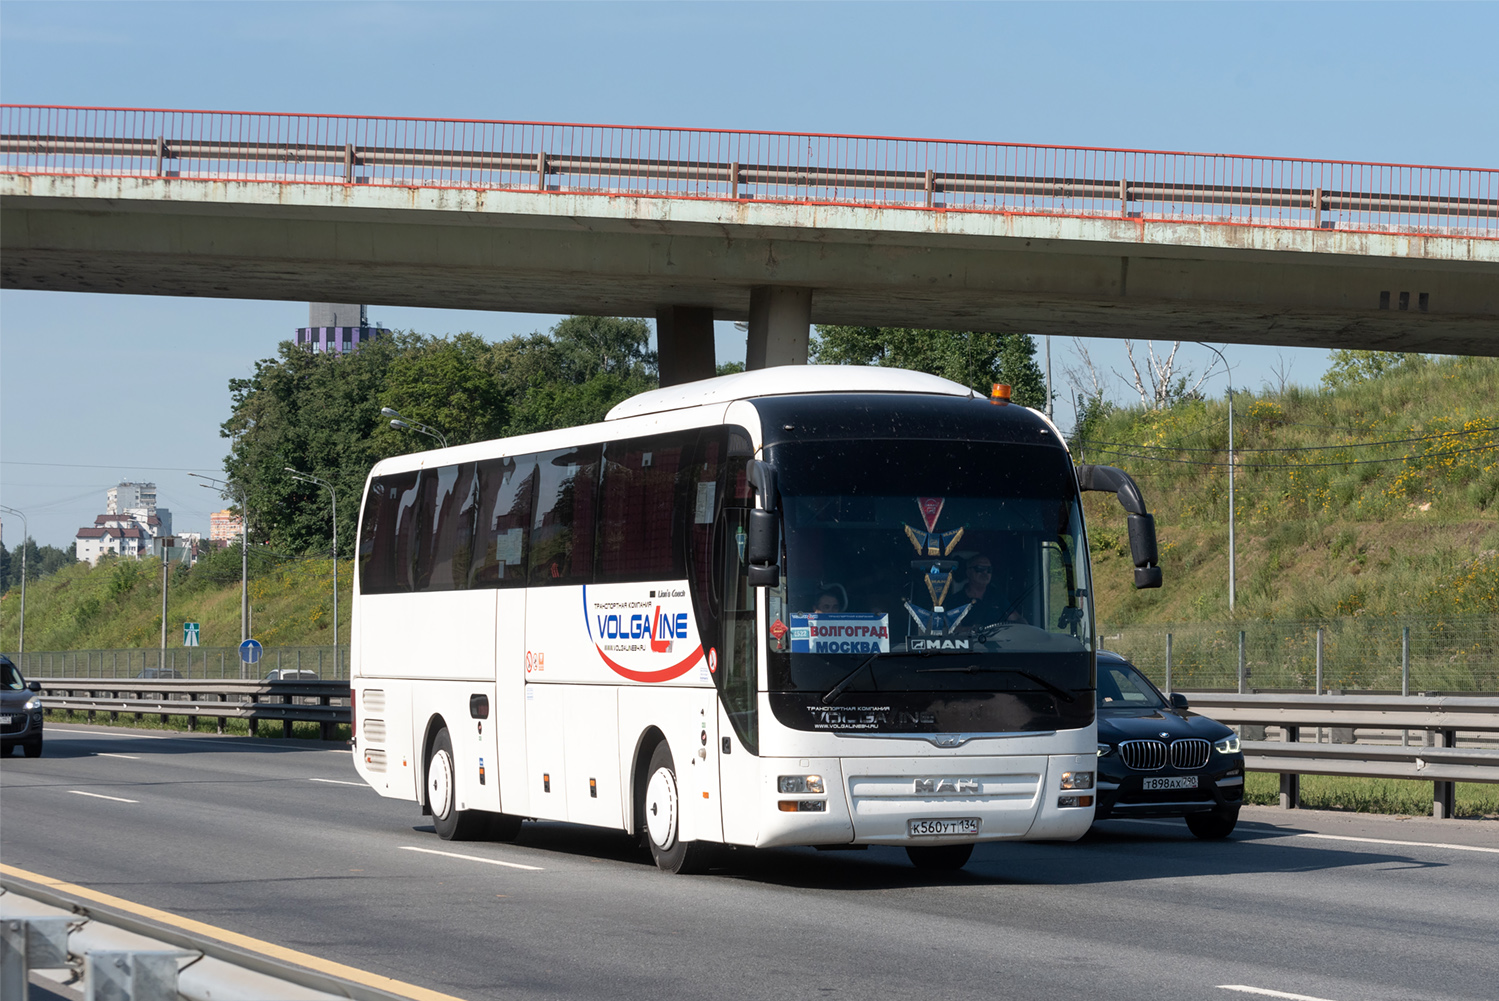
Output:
x,y
684,344
780,323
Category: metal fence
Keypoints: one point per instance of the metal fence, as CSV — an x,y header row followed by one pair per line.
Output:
x,y
1416,654
184,662
768,166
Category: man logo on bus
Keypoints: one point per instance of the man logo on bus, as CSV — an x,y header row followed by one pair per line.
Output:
x,y
639,639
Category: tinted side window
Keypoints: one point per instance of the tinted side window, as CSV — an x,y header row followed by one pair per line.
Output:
x,y
562,530
449,524
638,536
380,571
507,491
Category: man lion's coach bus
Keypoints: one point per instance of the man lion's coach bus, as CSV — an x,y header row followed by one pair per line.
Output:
x,y
798,606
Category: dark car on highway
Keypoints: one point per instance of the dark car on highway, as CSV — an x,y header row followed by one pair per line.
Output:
x,y
1156,759
20,711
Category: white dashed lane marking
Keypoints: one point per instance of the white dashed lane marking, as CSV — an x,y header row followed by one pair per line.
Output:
x,y
106,754
472,858
1323,837
100,795
341,782
1266,992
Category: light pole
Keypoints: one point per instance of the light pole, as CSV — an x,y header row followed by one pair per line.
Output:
x,y
1230,375
25,534
308,478
401,423
244,548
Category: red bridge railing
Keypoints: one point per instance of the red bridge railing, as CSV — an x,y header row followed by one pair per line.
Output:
x,y
867,171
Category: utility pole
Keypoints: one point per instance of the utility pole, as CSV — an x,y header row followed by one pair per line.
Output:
x,y
25,534
166,563
1231,553
1049,413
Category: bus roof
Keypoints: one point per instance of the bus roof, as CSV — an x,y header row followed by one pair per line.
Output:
x,y
786,380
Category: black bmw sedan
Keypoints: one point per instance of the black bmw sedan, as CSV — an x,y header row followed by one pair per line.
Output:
x,y
1156,759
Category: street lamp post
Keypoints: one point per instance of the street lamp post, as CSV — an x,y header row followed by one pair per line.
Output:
x,y
403,424
25,534
1231,554
244,549
308,478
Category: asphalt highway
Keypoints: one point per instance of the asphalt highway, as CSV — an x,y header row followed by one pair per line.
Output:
x,y
281,841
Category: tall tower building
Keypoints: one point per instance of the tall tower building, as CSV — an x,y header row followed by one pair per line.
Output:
x,y
336,327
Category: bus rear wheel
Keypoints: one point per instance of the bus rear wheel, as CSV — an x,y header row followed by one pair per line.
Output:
x,y
661,808
939,857
452,824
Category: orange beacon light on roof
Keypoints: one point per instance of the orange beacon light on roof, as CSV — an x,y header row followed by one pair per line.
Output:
x,y
1000,395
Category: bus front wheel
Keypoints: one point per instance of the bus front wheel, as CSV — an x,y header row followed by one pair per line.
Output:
x,y
452,824
661,806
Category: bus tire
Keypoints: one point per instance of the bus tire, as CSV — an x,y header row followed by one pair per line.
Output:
x,y
661,810
939,857
504,826
452,824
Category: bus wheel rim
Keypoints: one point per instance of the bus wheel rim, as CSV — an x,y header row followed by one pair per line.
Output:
x,y
661,809
440,785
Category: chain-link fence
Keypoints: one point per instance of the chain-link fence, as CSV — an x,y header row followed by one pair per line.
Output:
x,y
311,662
1414,654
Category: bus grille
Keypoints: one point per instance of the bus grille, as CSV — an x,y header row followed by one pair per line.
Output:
x,y
1190,754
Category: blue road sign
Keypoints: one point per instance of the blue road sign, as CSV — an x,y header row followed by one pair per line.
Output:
x,y
250,651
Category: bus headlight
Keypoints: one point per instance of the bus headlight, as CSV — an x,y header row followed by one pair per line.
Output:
x,y
1077,780
800,783
1228,745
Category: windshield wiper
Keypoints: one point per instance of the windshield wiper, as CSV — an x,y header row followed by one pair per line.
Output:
x,y
1056,690
848,678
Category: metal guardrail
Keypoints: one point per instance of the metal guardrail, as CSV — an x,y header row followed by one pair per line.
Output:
x,y
774,166
1443,716
216,662
323,702
122,957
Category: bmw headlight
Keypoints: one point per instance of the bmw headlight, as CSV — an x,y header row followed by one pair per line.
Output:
x,y
1105,749
1228,745
32,703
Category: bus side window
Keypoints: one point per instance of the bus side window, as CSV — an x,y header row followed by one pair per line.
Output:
x,y
403,563
638,510
378,534
507,491
738,661
565,519
449,540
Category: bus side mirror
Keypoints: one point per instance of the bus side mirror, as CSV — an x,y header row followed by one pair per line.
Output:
x,y
762,547
1142,544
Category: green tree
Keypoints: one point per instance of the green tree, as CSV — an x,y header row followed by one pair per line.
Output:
x,y
972,358
1346,368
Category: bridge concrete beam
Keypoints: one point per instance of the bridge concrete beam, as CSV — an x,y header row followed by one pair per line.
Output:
x,y
564,252
780,326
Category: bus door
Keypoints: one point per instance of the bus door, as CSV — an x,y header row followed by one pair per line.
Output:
x,y
731,628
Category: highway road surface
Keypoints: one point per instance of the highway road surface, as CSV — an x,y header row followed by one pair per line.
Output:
x,y
279,840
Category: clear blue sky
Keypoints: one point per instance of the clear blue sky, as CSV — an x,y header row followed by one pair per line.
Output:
x,y
135,387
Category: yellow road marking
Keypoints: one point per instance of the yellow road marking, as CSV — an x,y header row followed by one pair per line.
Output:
x,y
234,938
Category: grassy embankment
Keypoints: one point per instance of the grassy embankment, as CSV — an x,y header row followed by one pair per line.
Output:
x,y
1314,542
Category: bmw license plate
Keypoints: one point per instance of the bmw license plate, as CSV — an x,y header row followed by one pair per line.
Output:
x,y
938,828
5,721
1171,782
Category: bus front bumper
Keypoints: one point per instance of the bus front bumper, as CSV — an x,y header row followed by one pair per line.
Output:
x,y
904,801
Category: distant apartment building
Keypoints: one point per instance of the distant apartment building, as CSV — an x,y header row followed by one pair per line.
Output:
x,y
224,527
337,328
128,528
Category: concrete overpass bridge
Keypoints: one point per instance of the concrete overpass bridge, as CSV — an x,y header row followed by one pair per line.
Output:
x,y
781,229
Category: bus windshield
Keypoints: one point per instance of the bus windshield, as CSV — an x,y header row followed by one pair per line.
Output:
x,y
945,565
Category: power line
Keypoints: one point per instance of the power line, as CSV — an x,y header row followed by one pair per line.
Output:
x,y
1299,465
1301,448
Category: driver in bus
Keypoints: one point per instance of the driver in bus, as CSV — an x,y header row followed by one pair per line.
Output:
x,y
830,600
990,605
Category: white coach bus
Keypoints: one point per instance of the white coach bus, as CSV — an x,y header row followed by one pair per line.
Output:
x,y
799,606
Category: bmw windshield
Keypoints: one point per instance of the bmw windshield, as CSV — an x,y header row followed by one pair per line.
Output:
x,y
932,568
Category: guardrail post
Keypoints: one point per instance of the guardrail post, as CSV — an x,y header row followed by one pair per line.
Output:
x,y
734,179
1168,663
930,185
1444,794
348,163
132,976
14,974
541,170
1124,198
1290,782
1243,667
1320,633
1316,208
161,153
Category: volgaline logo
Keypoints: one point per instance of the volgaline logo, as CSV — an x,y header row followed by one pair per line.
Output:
x,y
644,638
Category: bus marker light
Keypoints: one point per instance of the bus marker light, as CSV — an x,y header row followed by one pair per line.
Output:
x,y
593,788
546,781
1074,801
803,806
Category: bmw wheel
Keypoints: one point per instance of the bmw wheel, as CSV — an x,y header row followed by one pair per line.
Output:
x,y
1214,824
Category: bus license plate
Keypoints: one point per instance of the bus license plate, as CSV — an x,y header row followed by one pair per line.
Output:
x,y
938,828
1171,782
